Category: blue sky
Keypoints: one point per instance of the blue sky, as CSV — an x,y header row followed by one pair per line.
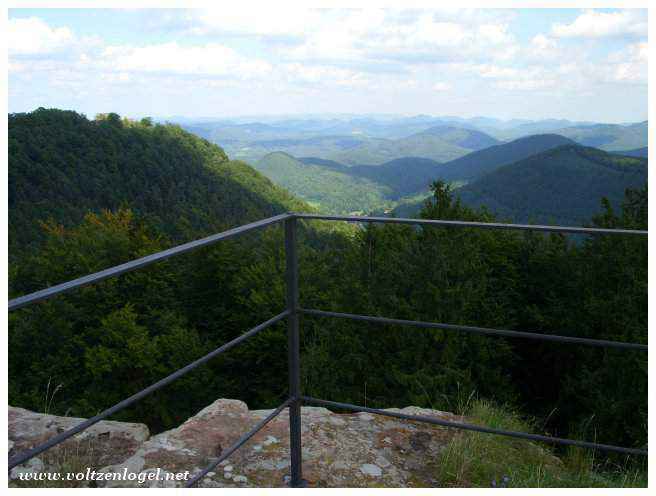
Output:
x,y
580,64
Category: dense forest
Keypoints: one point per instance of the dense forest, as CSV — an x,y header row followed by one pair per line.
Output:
x,y
329,189
335,188
89,194
476,164
63,165
560,186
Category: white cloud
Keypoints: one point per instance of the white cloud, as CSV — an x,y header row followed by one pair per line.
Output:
x,y
595,24
497,72
529,77
526,84
629,64
340,37
171,58
415,37
441,86
543,47
325,75
32,36
116,77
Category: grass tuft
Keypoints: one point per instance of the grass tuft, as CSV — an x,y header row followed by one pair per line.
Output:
x,y
486,460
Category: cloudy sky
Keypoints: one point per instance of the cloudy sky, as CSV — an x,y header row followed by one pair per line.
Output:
x,y
526,63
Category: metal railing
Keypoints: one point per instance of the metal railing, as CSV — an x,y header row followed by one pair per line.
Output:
x,y
291,314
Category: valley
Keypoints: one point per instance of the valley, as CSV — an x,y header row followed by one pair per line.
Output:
x,y
386,165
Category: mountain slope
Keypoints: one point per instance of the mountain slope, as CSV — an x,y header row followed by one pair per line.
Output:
x,y
466,138
327,188
477,163
563,185
62,165
609,137
335,188
330,164
404,176
440,143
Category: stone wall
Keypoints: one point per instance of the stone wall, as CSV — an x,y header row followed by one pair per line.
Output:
x,y
339,450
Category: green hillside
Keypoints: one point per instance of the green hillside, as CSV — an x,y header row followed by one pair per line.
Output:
x,y
406,176
327,189
477,163
609,137
559,186
403,176
335,188
62,165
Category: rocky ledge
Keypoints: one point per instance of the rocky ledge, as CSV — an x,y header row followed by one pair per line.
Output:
x,y
339,450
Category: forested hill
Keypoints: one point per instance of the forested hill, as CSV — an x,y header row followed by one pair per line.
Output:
x,y
561,186
466,138
63,165
480,162
336,188
330,189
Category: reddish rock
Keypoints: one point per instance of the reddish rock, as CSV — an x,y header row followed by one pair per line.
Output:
x,y
104,443
339,450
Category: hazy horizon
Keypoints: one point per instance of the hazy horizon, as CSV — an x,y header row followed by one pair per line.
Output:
x,y
274,117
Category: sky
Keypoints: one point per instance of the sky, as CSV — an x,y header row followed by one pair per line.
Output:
x,y
578,64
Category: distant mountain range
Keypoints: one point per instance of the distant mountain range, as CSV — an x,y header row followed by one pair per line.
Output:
x,y
385,164
440,143
609,137
374,140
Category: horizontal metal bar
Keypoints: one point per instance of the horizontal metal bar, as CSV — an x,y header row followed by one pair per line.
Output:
x,y
192,245
30,453
141,262
240,442
476,428
483,225
480,330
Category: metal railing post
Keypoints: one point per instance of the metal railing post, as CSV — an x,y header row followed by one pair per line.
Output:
x,y
293,346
